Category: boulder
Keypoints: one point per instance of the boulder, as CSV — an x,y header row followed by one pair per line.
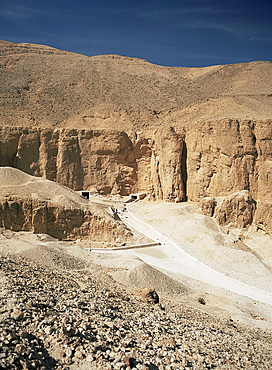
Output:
x,y
207,206
147,294
236,210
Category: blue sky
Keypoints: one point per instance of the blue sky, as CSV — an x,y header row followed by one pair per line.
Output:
x,y
166,32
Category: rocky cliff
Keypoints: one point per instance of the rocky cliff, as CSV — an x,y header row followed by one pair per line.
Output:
x,y
208,160
124,125
228,156
109,161
19,213
39,205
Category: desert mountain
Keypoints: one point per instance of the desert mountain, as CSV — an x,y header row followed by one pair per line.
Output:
x,y
45,86
115,125
124,125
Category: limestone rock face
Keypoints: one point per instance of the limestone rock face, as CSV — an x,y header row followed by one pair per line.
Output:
x,y
79,159
210,159
105,160
30,203
237,210
9,139
166,166
263,216
63,223
224,157
227,157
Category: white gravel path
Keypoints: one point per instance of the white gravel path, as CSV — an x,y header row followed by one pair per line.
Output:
x,y
170,256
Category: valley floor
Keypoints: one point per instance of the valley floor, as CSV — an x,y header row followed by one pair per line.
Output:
x,y
65,307
232,264
202,246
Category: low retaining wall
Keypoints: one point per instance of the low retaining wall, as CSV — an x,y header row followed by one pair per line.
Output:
x,y
126,247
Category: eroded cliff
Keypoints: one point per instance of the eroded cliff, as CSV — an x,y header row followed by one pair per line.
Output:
x,y
17,213
39,205
229,156
212,159
123,125
109,161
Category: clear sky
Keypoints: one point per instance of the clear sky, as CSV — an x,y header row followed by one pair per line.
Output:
x,y
166,32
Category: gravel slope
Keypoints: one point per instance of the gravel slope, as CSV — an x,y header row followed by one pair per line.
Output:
x,y
60,310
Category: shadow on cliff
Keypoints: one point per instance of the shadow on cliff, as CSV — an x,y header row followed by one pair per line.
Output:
x,y
184,170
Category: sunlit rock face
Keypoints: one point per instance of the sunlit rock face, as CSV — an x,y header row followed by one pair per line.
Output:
x,y
208,160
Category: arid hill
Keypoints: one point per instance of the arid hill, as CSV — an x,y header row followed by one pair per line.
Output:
x,y
45,86
123,125
117,125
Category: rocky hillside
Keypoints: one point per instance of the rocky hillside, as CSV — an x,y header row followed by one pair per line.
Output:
x,y
46,86
63,311
123,125
35,204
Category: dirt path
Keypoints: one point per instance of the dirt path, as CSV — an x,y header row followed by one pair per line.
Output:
x,y
172,257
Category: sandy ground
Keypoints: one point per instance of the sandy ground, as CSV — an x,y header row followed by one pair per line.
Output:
x,y
203,257
214,247
133,272
234,252
15,182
